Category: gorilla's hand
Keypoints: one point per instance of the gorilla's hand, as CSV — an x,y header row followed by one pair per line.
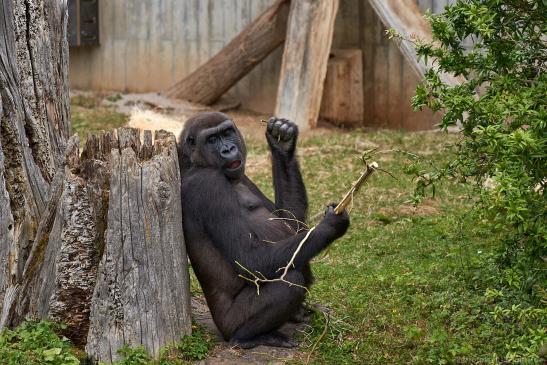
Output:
x,y
281,135
338,222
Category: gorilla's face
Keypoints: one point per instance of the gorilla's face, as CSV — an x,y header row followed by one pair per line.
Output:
x,y
221,147
212,139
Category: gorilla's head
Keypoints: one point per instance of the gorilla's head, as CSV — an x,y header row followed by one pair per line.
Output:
x,y
211,139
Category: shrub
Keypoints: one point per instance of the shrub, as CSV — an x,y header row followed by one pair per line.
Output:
x,y
500,108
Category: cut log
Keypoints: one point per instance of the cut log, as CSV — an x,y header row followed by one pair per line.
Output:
x,y
304,65
342,101
405,17
260,38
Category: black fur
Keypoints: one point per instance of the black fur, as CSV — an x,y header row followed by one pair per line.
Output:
x,y
226,219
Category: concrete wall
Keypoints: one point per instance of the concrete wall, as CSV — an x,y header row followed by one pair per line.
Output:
x,y
146,45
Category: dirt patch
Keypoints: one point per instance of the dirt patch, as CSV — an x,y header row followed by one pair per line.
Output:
x,y
153,111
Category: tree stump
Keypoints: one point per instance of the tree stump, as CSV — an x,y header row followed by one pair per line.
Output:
x,y
142,292
109,258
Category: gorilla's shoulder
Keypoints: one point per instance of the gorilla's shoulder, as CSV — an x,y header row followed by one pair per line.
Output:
x,y
206,180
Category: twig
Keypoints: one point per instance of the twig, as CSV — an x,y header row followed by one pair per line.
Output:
x,y
256,280
325,329
349,195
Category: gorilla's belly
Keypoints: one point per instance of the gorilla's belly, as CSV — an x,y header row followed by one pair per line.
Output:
x,y
267,227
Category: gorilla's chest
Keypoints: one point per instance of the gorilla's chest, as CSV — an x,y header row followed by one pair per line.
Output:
x,y
265,225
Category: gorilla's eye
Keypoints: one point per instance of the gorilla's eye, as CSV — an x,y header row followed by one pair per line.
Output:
x,y
228,132
212,139
191,141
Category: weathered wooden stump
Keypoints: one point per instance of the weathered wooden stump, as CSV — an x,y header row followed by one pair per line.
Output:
x,y
109,258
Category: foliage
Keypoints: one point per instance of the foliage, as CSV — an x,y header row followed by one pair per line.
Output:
x,y
191,347
36,343
196,346
501,109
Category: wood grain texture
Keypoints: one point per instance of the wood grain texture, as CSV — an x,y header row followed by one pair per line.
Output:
x,y
342,101
254,43
304,65
142,294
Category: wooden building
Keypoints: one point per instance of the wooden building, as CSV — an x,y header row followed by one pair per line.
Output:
x,y
147,45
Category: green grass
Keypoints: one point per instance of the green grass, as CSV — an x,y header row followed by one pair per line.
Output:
x,y
90,116
405,284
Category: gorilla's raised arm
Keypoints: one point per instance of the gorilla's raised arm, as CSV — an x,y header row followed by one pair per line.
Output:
x,y
290,192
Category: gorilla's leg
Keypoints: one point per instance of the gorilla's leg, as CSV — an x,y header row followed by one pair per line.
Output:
x,y
263,314
302,314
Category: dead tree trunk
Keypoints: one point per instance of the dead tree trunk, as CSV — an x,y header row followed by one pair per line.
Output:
x,y
260,38
304,65
34,124
91,240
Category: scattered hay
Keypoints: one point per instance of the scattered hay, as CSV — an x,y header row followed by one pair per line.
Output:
x,y
149,119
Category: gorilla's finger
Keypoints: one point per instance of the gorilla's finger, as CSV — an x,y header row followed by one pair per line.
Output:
x,y
271,122
291,131
283,131
276,126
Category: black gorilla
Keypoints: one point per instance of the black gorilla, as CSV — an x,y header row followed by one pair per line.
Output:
x,y
226,219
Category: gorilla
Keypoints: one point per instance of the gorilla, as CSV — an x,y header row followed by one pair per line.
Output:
x,y
227,219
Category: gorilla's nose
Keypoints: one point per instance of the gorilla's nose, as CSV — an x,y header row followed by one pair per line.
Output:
x,y
228,151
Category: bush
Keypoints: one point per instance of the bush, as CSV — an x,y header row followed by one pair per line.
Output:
x,y
500,108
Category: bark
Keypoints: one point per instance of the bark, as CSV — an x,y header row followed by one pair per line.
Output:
x,y
255,42
304,65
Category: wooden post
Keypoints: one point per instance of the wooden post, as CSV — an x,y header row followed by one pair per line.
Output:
x,y
405,17
342,101
304,65
260,38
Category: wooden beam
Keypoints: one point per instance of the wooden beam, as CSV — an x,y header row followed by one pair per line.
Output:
x,y
304,65
406,18
260,38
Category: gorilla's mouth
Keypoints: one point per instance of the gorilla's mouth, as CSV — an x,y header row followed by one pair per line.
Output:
x,y
234,164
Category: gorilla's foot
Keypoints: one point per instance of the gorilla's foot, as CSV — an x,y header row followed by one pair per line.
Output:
x,y
301,315
274,339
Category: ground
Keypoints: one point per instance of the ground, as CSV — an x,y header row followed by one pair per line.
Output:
x,y
401,286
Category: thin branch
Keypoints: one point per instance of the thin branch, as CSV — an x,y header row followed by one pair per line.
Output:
x,y
257,280
325,329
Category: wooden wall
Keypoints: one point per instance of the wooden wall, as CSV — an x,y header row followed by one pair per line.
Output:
x,y
146,45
